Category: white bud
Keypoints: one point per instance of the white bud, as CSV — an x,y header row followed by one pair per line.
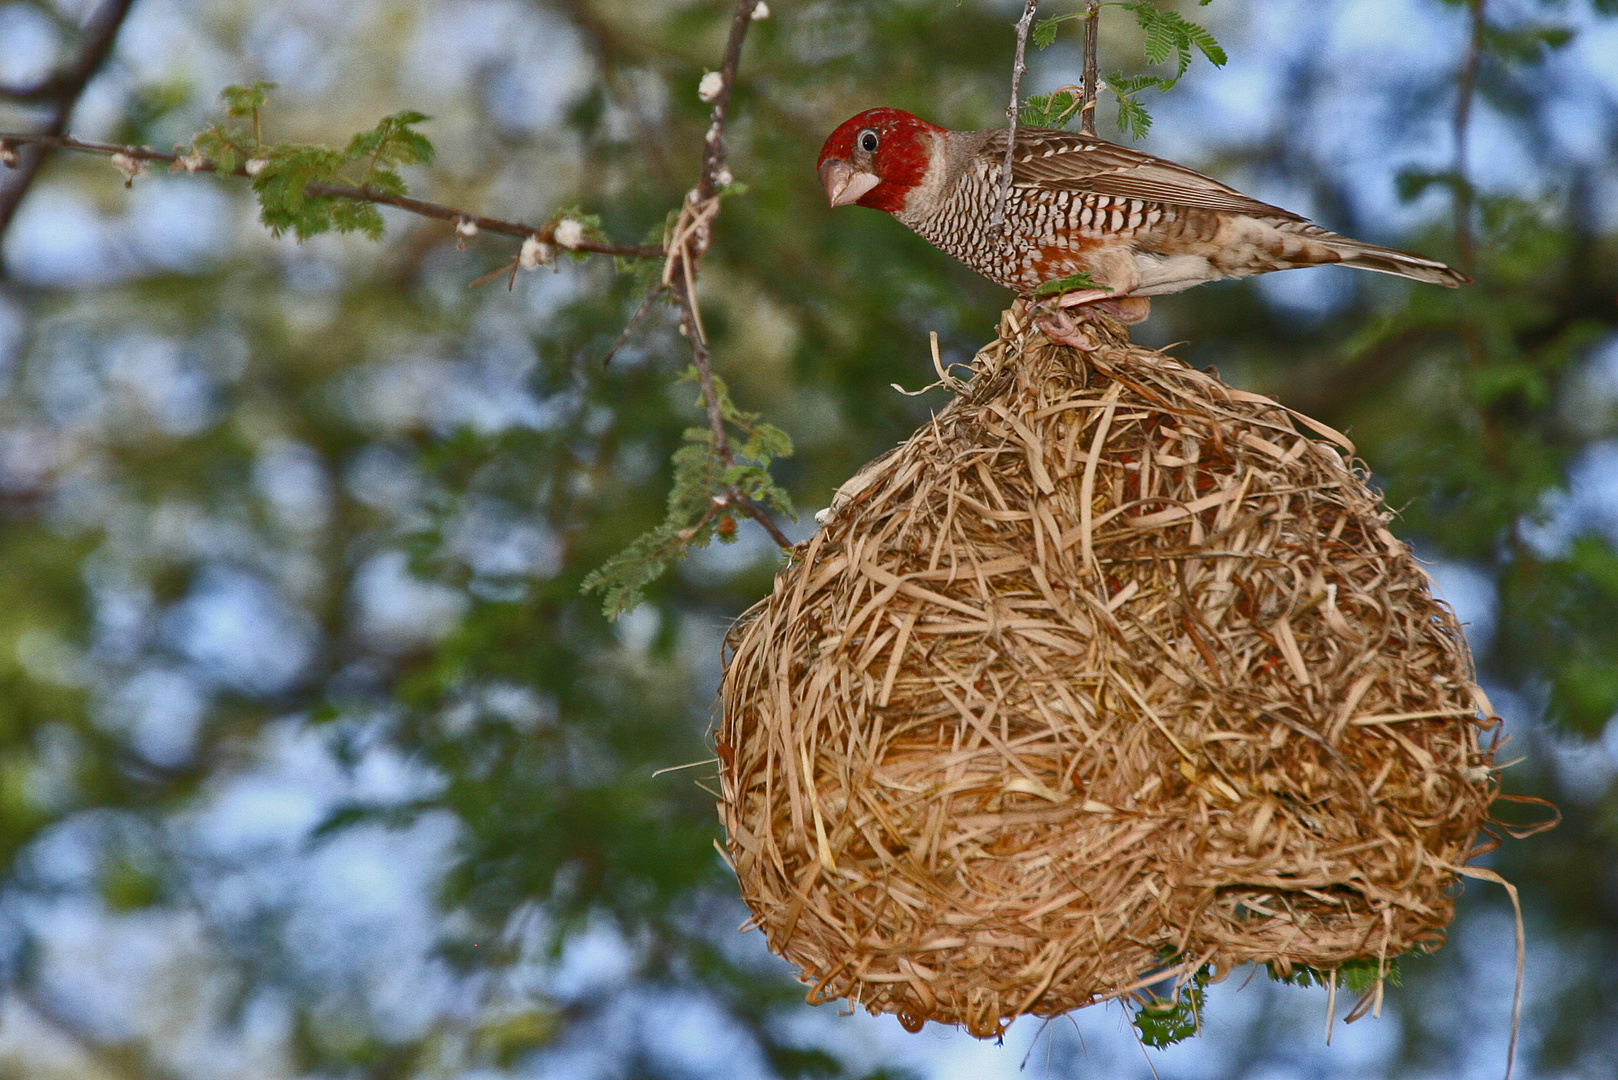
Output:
x,y
569,233
465,227
255,166
761,11
723,177
131,167
192,162
8,155
534,254
711,84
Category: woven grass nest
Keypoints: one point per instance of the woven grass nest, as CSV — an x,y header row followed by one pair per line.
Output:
x,y
1107,674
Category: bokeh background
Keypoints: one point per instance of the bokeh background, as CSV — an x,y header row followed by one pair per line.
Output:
x,y
313,760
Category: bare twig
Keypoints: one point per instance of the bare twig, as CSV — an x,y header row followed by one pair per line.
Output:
x,y
63,89
545,234
1018,66
360,193
1092,80
641,309
760,515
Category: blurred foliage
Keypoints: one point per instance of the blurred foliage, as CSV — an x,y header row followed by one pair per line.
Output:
x,y
263,496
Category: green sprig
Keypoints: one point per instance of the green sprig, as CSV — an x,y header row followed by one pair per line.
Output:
x,y
706,494
281,173
1164,1022
1169,36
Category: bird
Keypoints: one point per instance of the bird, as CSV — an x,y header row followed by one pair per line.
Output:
x,y
1139,226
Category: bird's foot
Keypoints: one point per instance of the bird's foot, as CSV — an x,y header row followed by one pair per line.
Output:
x,y
1061,328
1068,323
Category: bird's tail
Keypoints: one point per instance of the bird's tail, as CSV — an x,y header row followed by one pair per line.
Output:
x,y
1388,261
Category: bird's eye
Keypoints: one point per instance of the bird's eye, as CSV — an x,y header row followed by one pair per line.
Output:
x,y
868,141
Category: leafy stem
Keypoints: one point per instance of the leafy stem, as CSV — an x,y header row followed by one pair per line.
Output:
x,y
717,479
1169,36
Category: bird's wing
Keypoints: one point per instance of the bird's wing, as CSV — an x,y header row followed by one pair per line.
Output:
x,y
1047,159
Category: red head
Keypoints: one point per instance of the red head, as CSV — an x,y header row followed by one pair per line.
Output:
x,y
875,159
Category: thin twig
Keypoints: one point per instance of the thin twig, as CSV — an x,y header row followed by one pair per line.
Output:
x,y
694,232
358,193
689,243
546,234
713,160
641,309
1018,66
1092,81
64,88
760,515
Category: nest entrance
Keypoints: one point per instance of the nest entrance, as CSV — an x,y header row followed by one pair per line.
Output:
x,y
1109,672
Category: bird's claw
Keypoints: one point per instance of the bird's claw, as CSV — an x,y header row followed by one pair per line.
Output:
x,y
1061,328
1060,325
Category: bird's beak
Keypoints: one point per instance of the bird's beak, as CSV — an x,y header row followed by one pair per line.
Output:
x,y
843,184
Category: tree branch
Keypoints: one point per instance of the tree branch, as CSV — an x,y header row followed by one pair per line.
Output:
x,y
693,232
1017,68
1092,80
47,89
64,88
360,193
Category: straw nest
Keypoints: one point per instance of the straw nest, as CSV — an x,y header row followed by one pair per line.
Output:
x,y
1107,674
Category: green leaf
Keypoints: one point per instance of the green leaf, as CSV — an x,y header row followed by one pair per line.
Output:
x,y
704,494
218,146
1526,44
1164,1023
1044,35
392,142
1160,39
1205,43
243,100
1170,34
623,579
1053,110
1081,280
1354,976
1172,1022
1133,118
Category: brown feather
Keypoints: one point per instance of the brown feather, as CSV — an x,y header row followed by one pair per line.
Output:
x,y
1047,159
